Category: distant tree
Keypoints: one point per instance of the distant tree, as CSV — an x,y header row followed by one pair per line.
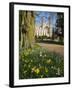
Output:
x,y
53,34
60,24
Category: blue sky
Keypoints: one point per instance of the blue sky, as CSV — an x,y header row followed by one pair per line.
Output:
x,y
46,15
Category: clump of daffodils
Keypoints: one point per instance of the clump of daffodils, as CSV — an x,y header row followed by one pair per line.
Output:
x,y
40,54
49,61
45,55
33,69
46,70
36,70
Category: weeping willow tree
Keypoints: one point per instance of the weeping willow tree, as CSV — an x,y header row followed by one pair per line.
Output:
x,y
26,28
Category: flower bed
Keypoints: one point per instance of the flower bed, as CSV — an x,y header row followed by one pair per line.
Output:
x,y
40,63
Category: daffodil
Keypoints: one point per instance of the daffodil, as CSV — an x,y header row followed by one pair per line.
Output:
x,y
33,69
45,55
41,76
29,65
46,70
40,53
37,71
49,61
25,72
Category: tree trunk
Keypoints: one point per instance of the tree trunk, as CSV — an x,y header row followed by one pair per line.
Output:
x,y
27,29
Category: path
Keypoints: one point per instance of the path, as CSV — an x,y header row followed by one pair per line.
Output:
x,y
53,47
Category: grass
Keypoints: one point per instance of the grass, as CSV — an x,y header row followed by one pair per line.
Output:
x,y
40,63
45,39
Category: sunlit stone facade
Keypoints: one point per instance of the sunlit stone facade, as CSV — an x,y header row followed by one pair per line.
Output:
x,y
45,30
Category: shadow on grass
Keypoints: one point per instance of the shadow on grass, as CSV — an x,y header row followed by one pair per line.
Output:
x,y
50,42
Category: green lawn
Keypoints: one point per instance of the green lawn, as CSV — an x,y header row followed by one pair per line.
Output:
x,y
40,63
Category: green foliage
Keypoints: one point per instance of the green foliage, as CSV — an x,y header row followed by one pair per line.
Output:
x,y
39,63
60,22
